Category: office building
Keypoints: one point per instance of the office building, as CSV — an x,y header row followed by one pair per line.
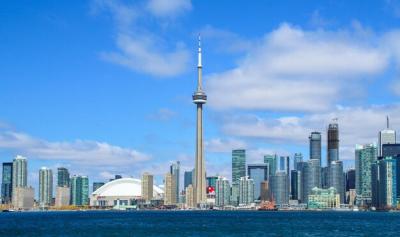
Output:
x,y
246,191
333,143
386,136
336,178
390,150
19,180
147,186
279,188
238,165
97,185
295,185
315,146
63,197
235,194
387,183
365,156
6,182
297,158
188,178
45,187
174,169
200,98
350,179
79,190
271,161
258,173
170,189
222,192
63,179
311,178
325,177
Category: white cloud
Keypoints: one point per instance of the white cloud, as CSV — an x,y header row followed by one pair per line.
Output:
x,y
224,145
296,70
85,153
357,125
138,48
165,8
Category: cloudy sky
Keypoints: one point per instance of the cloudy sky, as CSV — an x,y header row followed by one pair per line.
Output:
x,y
104,87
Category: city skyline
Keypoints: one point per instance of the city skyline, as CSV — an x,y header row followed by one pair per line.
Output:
x,y
103,114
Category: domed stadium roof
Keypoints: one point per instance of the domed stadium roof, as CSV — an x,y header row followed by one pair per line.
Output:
x,y
124,187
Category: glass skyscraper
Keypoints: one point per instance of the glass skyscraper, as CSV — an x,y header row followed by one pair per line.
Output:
x,y
271,161
387,183
79,190
365,156
311,178
97,185
279,188
63,177
188,178
386,136
258,173
297,158
315,146
6,182
238,165
20,172
336,178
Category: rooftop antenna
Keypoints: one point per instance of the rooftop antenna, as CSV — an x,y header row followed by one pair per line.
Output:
x,y
387,121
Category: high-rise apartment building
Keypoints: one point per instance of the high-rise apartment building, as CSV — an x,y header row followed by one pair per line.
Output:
x,y
188,178
365,156
189,197
147,186
79,190
246,191
170,189
222,192
63,196
174,169
45,187
311,178
336,178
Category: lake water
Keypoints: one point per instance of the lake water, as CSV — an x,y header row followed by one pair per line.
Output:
x,y
199,223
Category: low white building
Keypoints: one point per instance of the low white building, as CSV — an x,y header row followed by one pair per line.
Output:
x,y
121,192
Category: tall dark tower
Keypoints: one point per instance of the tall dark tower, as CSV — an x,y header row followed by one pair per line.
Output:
x,y
199,98
333,142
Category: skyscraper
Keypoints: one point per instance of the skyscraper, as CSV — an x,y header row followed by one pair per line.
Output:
x,y
222,192
188,178
246,191
238,165
271,161
200,98
315,146
297,158
63,196
386,136
265,191
20,173
62,177
350,179
97,185
258,173
147,186
387,183
79,190
45,187
6,182
333,143
295,184
174,169
279,188
365,156
311,178
170,189
189,197
336,178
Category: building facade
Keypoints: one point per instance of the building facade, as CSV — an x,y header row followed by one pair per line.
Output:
x,y
258,173
365,156
174,169
222,192
311,178
315,146
45,187
63,177
271,161
279,188
63,197
246,191
6,182
79,190
333,143
170,189
147,186
336,178
238,165
323,198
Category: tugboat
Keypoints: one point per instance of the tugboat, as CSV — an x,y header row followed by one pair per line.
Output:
x,y
268,206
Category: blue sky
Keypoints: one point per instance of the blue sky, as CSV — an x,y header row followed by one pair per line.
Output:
x,y
104,87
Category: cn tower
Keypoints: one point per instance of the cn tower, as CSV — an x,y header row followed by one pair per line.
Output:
x,y
199,98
